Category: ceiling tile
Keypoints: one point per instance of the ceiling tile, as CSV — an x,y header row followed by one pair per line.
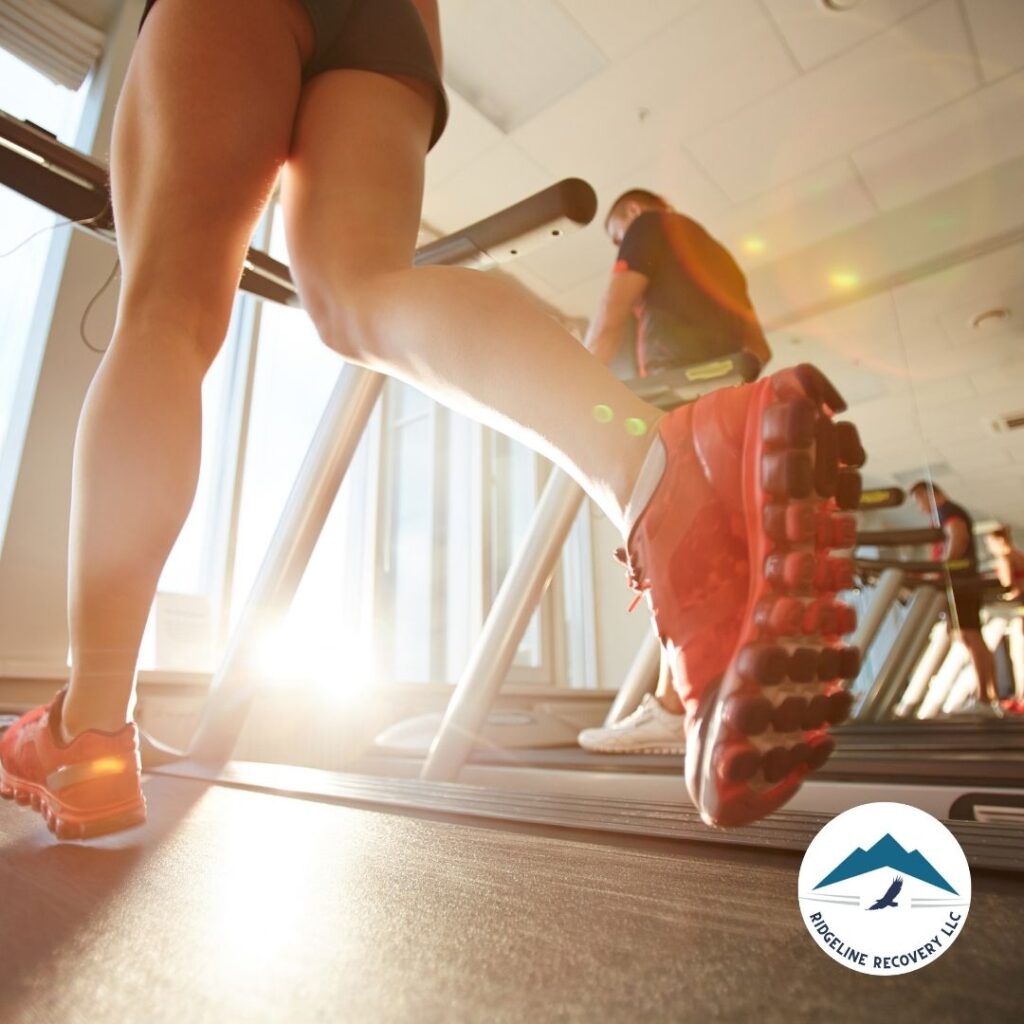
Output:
x,y
701,68
998,30
98,13
856,383
944,395
886,416
951,288
1008,399
511,60
958,322
582,299
815,34
498,177
617,31
909,70
803,211
995,378
961,140
863,330
969,459
932,364
674,175
467,136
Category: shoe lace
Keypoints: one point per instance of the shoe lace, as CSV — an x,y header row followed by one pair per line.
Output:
x,y
634,576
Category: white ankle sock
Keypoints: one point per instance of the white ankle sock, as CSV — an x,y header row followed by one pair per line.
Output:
x,y
647,482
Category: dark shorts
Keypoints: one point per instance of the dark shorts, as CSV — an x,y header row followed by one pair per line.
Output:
x,y
968,609
386,36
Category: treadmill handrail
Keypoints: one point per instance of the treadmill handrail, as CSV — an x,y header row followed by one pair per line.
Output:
x,y
75,185
899,538
933,574
956,567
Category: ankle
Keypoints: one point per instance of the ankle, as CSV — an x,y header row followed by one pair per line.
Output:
x,y
670,704
74,721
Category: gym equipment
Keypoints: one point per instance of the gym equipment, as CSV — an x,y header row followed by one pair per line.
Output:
x,y
552,786
525,581
77,187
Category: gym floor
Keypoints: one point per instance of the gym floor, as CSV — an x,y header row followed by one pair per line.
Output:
x,y
232,905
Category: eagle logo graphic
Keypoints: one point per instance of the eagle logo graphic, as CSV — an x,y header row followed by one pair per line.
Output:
x,y
889,899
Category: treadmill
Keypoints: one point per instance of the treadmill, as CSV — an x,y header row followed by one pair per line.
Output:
x,y
625,795
267,892
971,770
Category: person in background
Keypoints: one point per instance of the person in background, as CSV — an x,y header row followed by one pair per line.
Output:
x,y
957,551
1010,570
687,299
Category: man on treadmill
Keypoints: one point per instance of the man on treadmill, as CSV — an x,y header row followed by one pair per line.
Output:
x,y
957,547
687,300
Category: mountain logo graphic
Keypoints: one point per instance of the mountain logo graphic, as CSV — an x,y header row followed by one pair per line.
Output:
x,y
886,853
884,889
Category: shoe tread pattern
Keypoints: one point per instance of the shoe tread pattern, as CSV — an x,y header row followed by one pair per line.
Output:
x,y
768,721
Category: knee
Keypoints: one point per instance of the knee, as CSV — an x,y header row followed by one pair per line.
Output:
x,y
344,311
196,330
188,344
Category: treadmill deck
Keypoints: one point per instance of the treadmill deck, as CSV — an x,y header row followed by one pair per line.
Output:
x,y
239,905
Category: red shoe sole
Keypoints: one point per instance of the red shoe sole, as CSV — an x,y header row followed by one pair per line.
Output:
x,y
760,732
69,822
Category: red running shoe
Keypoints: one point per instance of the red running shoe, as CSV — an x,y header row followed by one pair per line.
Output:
x,y
732,552
88,787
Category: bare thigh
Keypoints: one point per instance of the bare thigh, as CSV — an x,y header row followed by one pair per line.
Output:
x,y
203,126
353,187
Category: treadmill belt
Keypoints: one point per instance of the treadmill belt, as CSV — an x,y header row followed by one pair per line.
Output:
x,y
235,905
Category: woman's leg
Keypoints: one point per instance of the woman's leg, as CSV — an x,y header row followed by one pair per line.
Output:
x,y
668,696
352,193
202,128
1017,656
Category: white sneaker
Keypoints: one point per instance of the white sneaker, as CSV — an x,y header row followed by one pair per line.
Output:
x,y
648,730
975,708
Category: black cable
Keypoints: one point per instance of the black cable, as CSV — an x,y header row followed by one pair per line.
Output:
x,y
92,302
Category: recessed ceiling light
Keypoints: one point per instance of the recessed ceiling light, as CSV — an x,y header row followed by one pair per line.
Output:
x,y
839,5
844,280
754,244
990,318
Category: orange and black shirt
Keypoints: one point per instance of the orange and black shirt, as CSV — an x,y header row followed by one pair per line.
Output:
x,y
696,307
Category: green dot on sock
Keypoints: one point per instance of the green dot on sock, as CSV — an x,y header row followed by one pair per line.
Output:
x,y
636,427
603,413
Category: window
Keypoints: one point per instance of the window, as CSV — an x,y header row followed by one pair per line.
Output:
x,y
407,630
324,637
26,94
426,524
513,499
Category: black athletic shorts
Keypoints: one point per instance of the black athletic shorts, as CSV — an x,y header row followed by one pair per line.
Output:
x,y
968,609
386,36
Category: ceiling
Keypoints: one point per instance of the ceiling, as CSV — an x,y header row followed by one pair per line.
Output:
x,y
98,13
866,168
